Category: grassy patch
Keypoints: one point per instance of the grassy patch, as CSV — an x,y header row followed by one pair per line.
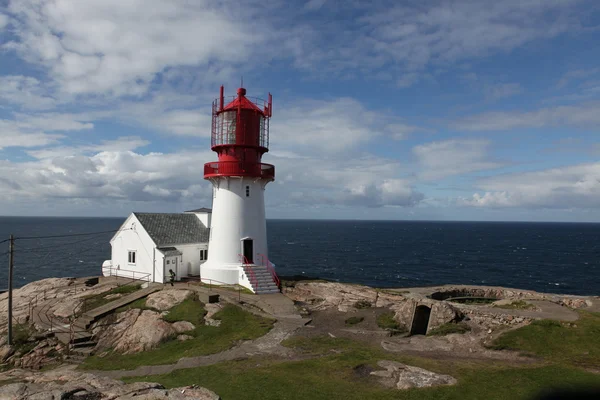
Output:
x,y
21,334
98,300
233,288
449,328
575,343
236,325
354,320
334,376
516,305
393,292
386,321
473,301
191,310
139,304
361,304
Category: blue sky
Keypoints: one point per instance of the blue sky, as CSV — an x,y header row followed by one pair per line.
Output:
x,y
445,110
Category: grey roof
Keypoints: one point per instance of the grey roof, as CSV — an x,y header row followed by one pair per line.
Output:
x,y
169,251
173,229
201,210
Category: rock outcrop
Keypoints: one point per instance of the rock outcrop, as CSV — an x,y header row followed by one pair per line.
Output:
x,y
183,326
166,299
66,383
401,376
133,331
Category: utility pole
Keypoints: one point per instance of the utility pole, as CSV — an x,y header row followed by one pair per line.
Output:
x,y
11,251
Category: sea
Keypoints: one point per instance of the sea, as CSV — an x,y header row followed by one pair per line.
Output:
x,y
546,257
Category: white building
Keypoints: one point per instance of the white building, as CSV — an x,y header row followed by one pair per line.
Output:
x,y
148,245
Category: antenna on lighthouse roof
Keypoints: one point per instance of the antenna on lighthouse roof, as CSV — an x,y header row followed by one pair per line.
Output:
x,y
242,81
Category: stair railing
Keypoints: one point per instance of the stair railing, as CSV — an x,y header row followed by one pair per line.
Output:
x,y
271,269
248,270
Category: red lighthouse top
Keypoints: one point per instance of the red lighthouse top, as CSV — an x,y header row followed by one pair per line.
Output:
x,y
240,136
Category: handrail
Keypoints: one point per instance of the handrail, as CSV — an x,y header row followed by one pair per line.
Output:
x,y
144,277
267,263
251,276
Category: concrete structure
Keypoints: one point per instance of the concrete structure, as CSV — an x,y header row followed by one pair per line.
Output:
x,y
148,245
238,237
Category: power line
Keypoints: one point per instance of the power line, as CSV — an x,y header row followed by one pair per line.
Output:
x,y
59,236
34,249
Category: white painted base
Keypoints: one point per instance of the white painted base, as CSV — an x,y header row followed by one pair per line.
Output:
x,y
229,274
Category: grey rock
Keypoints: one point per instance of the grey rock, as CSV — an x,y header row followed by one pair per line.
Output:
x,y
402,376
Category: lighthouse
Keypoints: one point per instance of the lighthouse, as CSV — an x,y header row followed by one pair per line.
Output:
x,y
238,251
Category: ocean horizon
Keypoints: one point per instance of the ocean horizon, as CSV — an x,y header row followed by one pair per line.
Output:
x,y
555,257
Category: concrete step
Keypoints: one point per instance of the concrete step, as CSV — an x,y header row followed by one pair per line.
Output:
x,y
77,337
81,345
266,291
264,283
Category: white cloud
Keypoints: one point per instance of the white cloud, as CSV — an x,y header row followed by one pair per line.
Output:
x,y
116,47
126,143
399,131
582,115
333,126
570,187
32,130
127,177
576,74
405,38
453,157
366,181
25,91
117,175
502,90
3,21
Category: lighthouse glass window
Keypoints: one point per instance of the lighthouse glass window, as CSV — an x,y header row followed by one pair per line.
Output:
x,y
226,128
262,132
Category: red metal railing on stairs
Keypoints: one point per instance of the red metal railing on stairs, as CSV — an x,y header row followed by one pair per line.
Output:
x,y
271,269
246,265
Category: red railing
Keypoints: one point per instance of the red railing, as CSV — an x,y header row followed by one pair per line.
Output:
x,y
251,276
271,269
238,168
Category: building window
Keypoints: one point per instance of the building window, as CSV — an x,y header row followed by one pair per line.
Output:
x,y
203,255
168,262
247,191
131,257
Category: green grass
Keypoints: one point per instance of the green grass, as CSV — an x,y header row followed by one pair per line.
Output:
x,y
474,301
191,310
234,288
386,321
361,304
21,334
516,305
138,304
236,325
449,328
575,343
98,300
332,376
354,320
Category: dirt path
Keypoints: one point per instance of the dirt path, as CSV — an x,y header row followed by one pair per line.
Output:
x,y
269,344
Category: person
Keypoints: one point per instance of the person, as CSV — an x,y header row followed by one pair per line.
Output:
x,y
172,276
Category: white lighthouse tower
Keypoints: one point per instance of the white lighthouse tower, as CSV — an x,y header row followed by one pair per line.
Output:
x,y
238,252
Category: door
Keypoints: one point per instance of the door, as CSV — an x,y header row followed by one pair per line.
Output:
x,y
248,250
420,320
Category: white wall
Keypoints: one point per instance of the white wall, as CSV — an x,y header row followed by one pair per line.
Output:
x,y
205,218
132,236
190,259
235,217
